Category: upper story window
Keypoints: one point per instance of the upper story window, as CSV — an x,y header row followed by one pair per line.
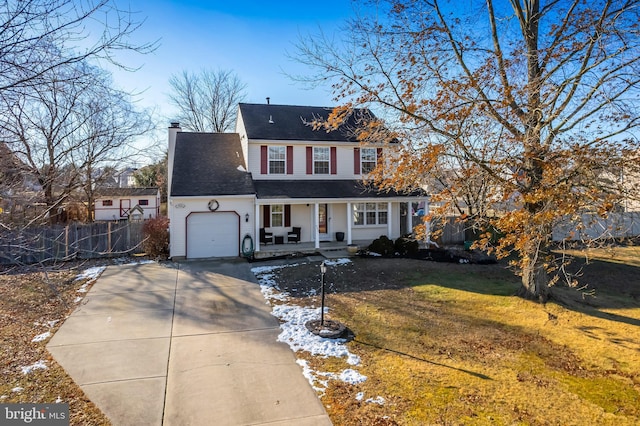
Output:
x,y
321,157
277,160
143,202
107,203
370,214
368,159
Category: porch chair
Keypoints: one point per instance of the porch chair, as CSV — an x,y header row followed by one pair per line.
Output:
x,y
294,235
265,237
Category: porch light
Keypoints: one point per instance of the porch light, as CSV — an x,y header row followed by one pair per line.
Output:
x,y
246,217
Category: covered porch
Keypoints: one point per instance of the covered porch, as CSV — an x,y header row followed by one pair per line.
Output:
x,y
326,248
329,213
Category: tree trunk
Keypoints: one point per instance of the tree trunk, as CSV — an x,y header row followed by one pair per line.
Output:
x,y
535,278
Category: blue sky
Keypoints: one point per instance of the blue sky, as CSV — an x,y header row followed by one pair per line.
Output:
x,y
249,37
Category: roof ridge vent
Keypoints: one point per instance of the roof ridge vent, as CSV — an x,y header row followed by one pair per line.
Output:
x,y
271,120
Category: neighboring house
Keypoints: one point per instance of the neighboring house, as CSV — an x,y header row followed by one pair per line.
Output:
x,y
125,177
117,203
274,175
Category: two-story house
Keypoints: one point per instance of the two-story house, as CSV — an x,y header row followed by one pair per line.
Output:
x,y
276,175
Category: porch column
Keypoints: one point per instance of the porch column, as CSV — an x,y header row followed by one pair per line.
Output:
x,y
427,223
409,218
389,220
349,222
256,231
316,225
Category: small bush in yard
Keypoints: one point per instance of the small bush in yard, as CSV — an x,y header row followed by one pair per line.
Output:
x,y
405,246
156,234
383,246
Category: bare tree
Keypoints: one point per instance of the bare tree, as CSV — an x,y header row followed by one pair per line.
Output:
x,y
65,128
206,101
108,133
556,82
37,36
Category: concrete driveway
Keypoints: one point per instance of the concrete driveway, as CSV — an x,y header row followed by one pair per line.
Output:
x,y
192,343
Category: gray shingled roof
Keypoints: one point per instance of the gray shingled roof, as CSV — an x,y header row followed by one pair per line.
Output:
x,y
126,192
208,164
288,123
266,189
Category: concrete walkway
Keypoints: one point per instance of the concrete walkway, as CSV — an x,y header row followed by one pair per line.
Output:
x,y
184,344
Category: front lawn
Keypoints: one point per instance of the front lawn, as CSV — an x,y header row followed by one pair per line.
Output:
x,y
443,343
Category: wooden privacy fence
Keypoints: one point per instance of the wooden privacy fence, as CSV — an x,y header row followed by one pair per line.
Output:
x,y
74,241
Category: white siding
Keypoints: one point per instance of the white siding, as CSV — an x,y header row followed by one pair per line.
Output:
x,y
113,212
344,157
181,207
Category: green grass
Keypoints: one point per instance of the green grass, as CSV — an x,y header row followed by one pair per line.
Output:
x,y
453,346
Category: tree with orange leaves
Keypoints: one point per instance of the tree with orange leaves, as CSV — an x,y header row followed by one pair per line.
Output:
x,y
535,99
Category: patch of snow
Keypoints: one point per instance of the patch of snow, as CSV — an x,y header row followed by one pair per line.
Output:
x,y
41,337
337,262
260,270
295,334
124,261
312,376
17,389
39,365
50,324
77,299
4,397
359,396
377,400
270,293
374,254
58,400
352,377
91,273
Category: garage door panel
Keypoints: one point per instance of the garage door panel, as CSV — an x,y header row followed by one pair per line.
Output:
x,y
212,235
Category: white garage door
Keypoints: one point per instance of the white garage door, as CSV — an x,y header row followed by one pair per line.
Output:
x,y
212,235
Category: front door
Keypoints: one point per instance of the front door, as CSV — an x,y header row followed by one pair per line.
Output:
x,y
323,221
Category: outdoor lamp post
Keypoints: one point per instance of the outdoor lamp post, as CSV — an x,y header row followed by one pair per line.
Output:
x,y
328,329
323,270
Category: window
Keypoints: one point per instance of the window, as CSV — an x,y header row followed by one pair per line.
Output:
x,y
107,203
277,160
368,159
277,215
370,214
143,202
321,156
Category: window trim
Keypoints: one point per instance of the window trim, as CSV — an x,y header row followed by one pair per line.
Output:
x,y
325,151
274,214
363,169
283,160
144,202
107,203
379,210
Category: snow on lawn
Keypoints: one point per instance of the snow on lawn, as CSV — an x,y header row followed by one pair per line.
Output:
x,y
294,333
91,273
38,365
41,337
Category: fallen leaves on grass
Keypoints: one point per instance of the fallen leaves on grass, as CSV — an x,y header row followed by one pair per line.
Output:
x,y
33,305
